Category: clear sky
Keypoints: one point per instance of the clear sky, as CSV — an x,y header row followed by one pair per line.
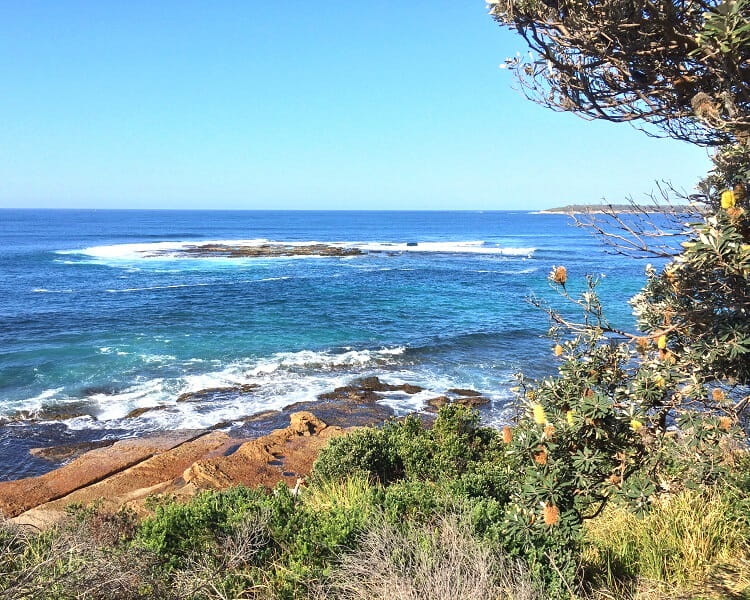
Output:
x,y
294,105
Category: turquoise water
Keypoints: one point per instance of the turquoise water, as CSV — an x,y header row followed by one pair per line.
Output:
x,y
93,324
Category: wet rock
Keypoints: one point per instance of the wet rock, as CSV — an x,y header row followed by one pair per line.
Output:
x,y
137,412
266,250
433,404
464,392
67,451
472,401
96,390
54,412
350,392
344,413
438,402
221,392
373,384
411,389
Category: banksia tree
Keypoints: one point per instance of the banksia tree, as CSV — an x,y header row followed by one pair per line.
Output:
x,y
635,414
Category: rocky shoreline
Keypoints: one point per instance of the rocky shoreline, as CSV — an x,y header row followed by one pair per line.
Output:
x,y
260,449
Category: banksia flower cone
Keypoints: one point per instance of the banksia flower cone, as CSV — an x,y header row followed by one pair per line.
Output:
x,y
727,199
559,275
558,350
540,417
507,435
661,343
725,423
551,514
717,395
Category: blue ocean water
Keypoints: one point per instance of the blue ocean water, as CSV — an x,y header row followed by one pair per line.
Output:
x,y
93,325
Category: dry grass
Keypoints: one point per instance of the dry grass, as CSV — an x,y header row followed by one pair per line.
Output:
x,y
439,562
691,545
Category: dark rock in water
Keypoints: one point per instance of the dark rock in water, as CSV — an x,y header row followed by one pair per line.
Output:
x,y
345,413
266,250
366,390
411,389
411,244
55,412
96,390
212,393
137,412
351,393
434,404
472,401
464,392
373,384
438,402
68,451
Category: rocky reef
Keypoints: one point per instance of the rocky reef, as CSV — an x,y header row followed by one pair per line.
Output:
x,y
259,449
262,250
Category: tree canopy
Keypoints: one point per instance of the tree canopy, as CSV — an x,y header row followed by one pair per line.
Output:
x,y
679,68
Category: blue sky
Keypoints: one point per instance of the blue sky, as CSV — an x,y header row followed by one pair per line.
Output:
x,y
277,105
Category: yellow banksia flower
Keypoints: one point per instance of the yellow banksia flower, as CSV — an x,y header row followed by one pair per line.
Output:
x,y
559,275
540,417
569,417
551,514
659,381
725,423
727,199
507,435
717,395
635,424
558,349
661,343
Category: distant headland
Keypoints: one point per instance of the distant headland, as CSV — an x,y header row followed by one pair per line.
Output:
x,y
577,209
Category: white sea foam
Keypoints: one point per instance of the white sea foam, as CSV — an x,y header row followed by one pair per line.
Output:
x,y
283,378
508,271
37,401
46,291
468,247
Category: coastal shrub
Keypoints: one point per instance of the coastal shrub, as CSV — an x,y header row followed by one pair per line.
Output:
x,y
364,453
454,446
177,530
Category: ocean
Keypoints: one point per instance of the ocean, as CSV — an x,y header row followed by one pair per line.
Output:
x,y
102,312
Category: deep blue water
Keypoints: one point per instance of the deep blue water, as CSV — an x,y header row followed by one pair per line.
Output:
x,y
97,328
